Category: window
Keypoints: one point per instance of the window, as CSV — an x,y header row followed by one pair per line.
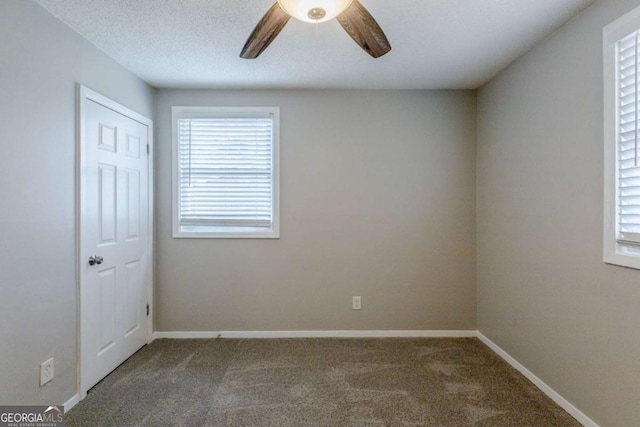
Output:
x,y
225,182
622,141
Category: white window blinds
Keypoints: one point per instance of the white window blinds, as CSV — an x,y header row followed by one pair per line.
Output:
x,y
225,171
628,174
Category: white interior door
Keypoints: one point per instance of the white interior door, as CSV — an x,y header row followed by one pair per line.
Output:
x,y
114,233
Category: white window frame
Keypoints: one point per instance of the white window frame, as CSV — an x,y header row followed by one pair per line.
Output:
x,y
209,232
615,251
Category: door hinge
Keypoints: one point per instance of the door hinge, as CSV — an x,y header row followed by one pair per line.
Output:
x,y
147,310
147,149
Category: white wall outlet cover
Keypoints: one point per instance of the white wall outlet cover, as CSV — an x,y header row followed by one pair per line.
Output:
x,y
46,371
357,303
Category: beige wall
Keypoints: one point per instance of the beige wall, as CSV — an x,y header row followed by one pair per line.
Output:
x,y
377,190
41,60
544,294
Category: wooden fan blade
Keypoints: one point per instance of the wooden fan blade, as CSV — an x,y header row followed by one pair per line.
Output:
x,y
265,32
360,25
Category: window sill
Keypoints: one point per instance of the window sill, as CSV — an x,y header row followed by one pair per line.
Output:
x,y
205,232
624,255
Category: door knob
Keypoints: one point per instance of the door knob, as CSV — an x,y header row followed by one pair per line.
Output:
x,y
95,259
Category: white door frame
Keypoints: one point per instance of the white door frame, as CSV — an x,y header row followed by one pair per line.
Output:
x,y
87,95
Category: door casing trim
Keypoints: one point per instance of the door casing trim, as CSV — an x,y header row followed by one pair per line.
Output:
x,y
84,95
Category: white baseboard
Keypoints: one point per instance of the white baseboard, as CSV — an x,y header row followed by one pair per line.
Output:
x,y
555,396
71,402
314,334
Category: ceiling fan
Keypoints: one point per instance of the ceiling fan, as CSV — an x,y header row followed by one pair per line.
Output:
x,y
354,18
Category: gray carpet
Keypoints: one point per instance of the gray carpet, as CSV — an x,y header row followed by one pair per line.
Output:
x,y
317,382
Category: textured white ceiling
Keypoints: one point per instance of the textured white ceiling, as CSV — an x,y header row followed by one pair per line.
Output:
x,y
437,44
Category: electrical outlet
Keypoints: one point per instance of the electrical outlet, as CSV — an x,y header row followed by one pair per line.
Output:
x,y
357,303
46,372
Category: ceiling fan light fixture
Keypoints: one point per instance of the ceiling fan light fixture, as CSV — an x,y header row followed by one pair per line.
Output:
x,y
314,10
350,14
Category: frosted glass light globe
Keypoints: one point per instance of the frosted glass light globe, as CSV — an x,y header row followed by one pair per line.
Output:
x,y
300,9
